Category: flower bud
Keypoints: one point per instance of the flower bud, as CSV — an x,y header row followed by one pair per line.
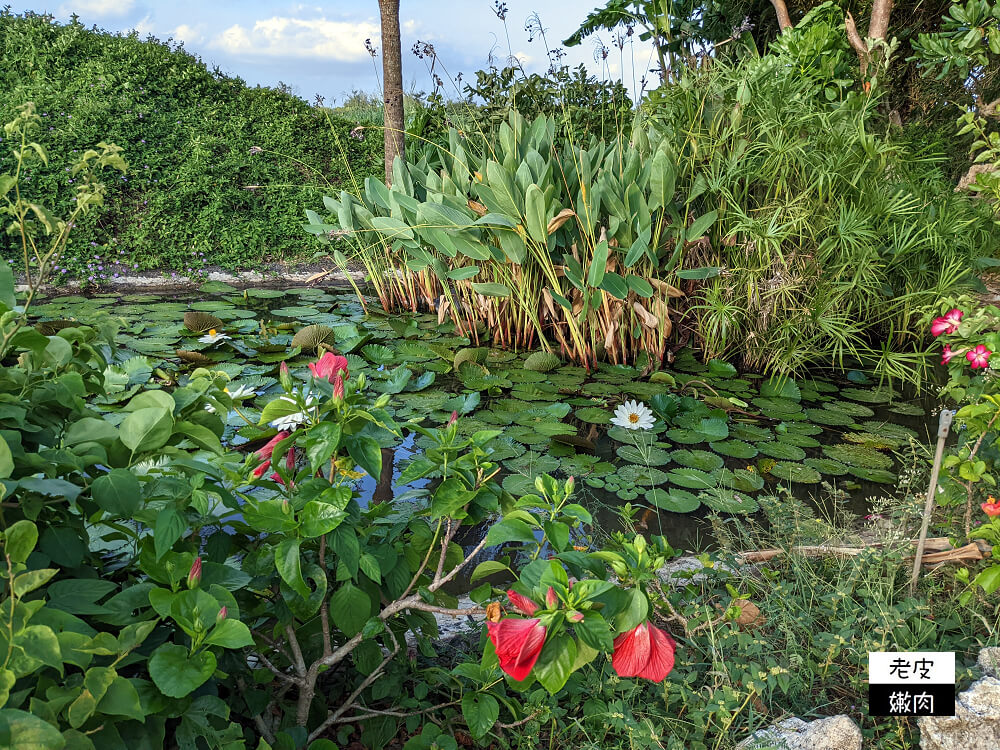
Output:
x,y
575,616
222,614
570,484
361,381
285,507
194,577
551,600
453,419
285,376
338,388
382,401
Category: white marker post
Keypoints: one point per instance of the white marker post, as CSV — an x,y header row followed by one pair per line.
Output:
x,y
944,425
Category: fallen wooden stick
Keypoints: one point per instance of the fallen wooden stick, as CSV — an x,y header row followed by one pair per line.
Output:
x,y
943,551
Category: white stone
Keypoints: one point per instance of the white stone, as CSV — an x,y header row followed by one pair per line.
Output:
x,y
832,733
975,725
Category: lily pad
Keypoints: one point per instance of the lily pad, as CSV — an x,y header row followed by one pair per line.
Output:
x,y
697,459
199,322
734,448
827,466
881,476
794,472
593,415
693,479
751,433
849,407
652,455
869,396
542,362
723,500
782,451
743,480
673,500
857,455
829,417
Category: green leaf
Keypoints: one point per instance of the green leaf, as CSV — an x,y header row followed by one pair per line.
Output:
x,y
321,442
289,565
20,730
350,609
534,210
318,518
20,540
6,459
491,290
699,274
367,453
701,225
28,582
7,296
121,699
481,711
177,673
488,568
169,527
450,496
146,429
509,530
555,663
634,613
230,633
40,643
598,265
118,492
614,285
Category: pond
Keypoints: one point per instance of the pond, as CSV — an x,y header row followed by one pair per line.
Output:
x,y
721,440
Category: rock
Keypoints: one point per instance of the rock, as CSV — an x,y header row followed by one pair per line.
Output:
x,y
684,570
989,661
976,723
832,733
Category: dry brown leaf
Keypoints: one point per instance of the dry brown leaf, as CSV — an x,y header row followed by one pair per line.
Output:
x,y
667,289
646,317
478,207
559,219
443,305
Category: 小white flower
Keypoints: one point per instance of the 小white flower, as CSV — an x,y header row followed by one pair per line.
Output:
x,y
240,392
210,409
214,337
634,415
291,421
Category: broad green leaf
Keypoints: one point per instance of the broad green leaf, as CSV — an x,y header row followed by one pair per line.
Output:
x,y
449,497
20,540
230,633
177,673
7,297
509,530
555,663
488,289
321,442
6,459
350,609
598,264
481,711
169,527
118,492
289,565
318,518
367,453
20,730
146,429
701,225
121,699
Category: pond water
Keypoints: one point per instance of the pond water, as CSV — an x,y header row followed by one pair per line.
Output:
x,y
727,438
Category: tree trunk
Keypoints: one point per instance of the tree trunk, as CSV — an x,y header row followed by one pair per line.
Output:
x,y
392,76
784,20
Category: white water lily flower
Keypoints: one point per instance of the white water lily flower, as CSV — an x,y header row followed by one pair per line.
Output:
x,y
240,392
291,421
214,337
634,415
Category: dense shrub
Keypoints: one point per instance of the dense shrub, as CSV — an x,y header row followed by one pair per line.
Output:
x,y
197,189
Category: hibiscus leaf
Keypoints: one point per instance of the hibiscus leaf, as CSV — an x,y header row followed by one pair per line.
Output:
x,y
555,663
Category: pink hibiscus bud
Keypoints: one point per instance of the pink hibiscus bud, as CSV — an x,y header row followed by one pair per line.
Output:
x,y
285,376
453,419
979,357
222,614
551,600
259,471
570,484
575,616
338,388
290,459
267,450
521,603
194,577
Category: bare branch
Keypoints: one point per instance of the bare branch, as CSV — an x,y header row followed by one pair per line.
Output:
x,y
878,26
856,41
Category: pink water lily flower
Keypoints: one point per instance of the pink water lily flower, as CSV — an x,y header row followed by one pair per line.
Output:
x,y
979,357
947,324
328,366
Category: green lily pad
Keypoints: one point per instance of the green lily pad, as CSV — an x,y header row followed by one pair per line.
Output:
x,y
782,451
881,476
829,417
652,455
777,407
869,396
734,448
827,466
780,387
794,472
519,485
751,433
894,431
673,500
849,407
873,440
857,455
742,480
532,463
697,459
693,479
593,415
908,410
723,500
802,441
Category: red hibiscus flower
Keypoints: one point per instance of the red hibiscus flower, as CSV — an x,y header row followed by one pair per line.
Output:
x,y
992,508
518,644
522,604
644,651
327,366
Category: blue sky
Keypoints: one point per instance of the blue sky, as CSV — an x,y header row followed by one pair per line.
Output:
x,y
319,47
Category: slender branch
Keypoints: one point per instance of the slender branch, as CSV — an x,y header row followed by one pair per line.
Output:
x,y
856,41
324,615
280,674
300,663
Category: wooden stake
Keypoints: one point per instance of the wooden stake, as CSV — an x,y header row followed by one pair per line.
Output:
x,y
944,425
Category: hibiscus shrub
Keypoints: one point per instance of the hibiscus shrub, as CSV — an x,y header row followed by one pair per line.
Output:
x,y
571,605
970,333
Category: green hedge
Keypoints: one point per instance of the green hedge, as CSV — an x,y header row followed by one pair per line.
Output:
x,y
189,135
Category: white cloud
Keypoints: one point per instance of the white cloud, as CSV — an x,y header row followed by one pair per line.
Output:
x,y
316,38
98,7
188,34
